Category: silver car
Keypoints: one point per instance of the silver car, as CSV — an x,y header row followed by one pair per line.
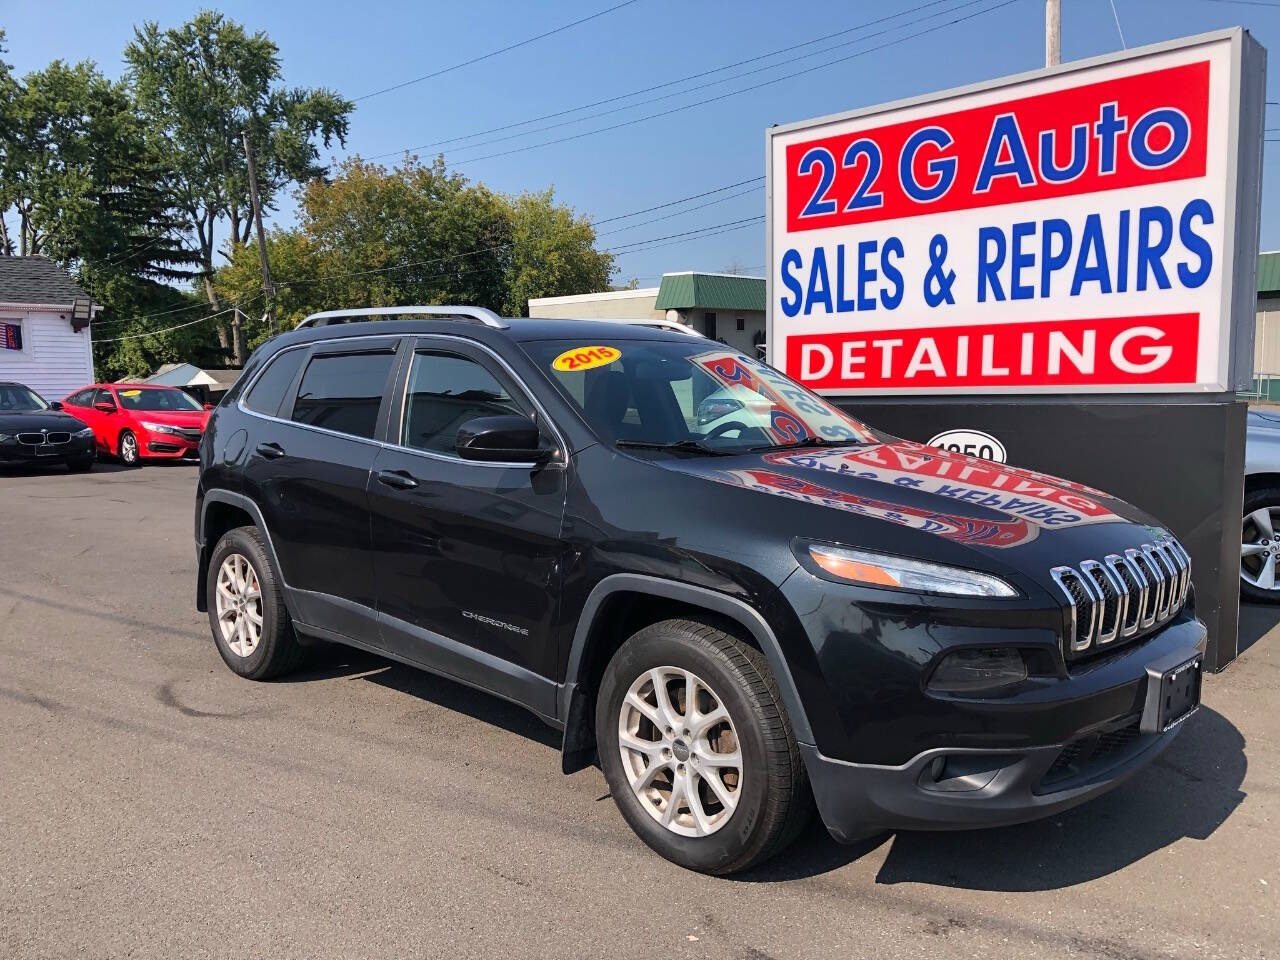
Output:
x,y
1259,548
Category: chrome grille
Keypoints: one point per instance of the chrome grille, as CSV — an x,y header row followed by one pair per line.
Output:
x,y
35,439
1122,595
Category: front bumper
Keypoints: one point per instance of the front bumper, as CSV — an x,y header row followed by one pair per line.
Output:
x,y
74,449
958,787
170,446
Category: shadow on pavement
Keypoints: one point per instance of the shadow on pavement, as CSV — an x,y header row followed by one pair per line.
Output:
x,y
1188,791
331,661
1256,621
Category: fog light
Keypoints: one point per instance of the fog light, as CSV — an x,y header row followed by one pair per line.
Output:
x,y
972,671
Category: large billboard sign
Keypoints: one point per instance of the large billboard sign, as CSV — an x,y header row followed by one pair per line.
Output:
x,y
1085,229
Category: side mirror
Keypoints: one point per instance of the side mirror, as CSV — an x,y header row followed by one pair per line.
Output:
x,y
208,406
55,405
105,406
503,439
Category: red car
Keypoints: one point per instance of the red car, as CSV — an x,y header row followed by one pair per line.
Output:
x,y
136,422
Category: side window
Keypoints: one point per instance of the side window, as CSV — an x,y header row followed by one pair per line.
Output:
x,y
79,399
268,390
446,390
342,392
104,396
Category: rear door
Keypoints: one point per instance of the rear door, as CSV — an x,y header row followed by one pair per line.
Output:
x,y
308,468
466,555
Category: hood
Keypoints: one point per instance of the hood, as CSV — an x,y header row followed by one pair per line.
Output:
x,y
976,503
22,421
173,418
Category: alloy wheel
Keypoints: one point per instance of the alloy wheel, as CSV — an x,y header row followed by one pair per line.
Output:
x,y
680,751
129,448
1259,548
239,605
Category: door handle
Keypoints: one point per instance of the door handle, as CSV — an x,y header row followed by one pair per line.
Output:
x,y
396,478
271,451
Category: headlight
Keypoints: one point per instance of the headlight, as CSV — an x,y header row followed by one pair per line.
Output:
x,y
158,427
82,434
883,570
969,671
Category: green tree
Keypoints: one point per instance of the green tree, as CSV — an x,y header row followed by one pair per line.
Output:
x,y
419,234
553,253
201,87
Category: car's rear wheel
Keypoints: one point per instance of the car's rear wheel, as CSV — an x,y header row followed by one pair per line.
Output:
x,y
127,449
1259,546
250,624
697,749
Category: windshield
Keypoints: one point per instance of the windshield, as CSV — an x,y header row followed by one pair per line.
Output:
x,y
173,400
14,396
693,391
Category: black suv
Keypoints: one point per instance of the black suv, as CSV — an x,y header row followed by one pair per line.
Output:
x,y
734,597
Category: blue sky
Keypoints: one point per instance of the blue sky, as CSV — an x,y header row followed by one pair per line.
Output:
x,y
359,48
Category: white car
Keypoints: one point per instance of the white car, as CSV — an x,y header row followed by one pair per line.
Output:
x,y
1259,548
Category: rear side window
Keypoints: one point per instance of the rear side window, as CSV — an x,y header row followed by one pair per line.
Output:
x,y
268,390
445,391
342,392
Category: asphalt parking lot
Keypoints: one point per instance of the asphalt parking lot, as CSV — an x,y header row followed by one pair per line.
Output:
x,y
152,804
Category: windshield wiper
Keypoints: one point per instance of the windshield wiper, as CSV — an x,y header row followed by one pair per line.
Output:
x,y
688,444
811,442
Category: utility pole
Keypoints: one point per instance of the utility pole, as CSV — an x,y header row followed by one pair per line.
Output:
x,y
1052,32
268,288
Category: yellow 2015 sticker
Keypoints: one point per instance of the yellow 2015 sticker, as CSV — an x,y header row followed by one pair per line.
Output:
x,y
130,393
586,358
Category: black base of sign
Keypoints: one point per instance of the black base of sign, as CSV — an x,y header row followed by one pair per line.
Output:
x,y
1180,458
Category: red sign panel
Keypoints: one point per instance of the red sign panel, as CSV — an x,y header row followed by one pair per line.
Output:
x,y
1128,132
1118,350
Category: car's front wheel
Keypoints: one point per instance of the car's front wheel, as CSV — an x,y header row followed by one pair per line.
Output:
x,y
1259,546
127,448
697,749
247,614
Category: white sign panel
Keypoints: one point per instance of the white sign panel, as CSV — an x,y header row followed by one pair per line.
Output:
x,y
1072,230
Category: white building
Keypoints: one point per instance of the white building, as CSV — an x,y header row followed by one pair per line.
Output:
x,y
722,306
45,340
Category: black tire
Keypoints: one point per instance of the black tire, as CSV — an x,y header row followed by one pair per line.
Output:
x,y
80,464
127,449
773,800
1257,500
277,651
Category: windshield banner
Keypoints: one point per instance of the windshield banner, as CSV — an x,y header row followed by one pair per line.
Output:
x,y
795,414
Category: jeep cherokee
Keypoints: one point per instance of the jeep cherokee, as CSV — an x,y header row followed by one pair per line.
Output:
x,y
740,613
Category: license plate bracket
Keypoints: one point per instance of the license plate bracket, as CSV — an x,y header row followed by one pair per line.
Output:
x,y
1173,693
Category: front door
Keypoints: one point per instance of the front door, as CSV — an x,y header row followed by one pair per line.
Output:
x,y
466,554
308,468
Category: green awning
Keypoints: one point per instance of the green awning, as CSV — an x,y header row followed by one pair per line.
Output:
x,y
710,291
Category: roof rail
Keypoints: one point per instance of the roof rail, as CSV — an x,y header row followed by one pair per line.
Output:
x,y
469,314
672,325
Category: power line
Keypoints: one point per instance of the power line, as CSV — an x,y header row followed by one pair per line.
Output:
x,y
672,203
734,93
669,83
673,236
680,213
156,333
494,53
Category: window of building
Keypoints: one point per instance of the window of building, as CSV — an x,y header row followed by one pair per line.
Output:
x,y
343,391
709,324
742,324
445,391
269,389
